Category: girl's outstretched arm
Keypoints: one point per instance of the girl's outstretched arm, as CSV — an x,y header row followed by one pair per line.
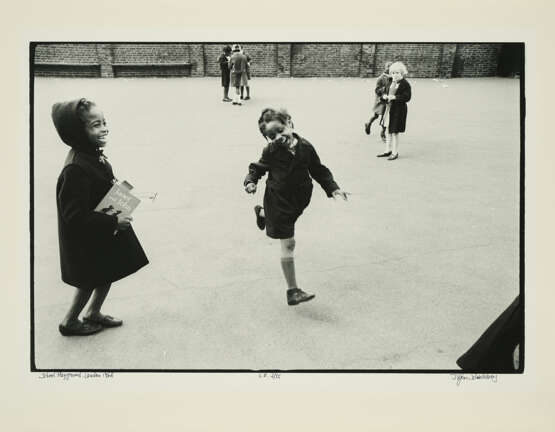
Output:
x,y
321,173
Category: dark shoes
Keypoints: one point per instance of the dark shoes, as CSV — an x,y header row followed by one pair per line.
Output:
x,y
247,98
297,295
260,220
79,328
386,154
104,321
393,156
226,100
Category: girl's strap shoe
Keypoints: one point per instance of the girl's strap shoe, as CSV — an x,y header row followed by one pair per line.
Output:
x,y
79,328
104,321
386,154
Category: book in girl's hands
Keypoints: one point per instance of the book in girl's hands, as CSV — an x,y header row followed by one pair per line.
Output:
x,y
118,200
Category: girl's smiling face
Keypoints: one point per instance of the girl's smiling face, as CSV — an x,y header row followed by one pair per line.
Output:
x,y
396,75
95,127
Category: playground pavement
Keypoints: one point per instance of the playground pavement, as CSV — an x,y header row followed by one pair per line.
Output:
x,y
407,274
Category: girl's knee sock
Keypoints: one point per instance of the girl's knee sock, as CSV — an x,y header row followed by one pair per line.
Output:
x,y
288,267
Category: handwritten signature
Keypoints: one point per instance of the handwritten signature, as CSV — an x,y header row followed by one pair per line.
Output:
x,y
66,376
460,378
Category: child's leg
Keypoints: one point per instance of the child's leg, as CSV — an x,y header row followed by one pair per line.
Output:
x,y
288,262
80,299
374,117
248,92
387,142
295,295
388,139
226,92
98,298
368,124
242,88
394,143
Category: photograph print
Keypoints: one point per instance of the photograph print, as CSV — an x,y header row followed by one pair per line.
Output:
x,y
245,206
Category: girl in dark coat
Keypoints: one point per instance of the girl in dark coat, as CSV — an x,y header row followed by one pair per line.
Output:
x,y
291,163
223,61
394,119
96,248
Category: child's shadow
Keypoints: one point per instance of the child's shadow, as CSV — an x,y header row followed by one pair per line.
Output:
x,y
315,312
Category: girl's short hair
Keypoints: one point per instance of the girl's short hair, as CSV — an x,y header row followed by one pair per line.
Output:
x,y
83,107
271,115
227,49
399,67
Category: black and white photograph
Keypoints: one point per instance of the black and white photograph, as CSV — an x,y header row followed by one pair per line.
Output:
x,y
243,206
277,216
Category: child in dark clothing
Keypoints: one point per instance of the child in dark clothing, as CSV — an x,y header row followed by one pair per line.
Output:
x,y
291,163
379,104
223,61
91,255
397,94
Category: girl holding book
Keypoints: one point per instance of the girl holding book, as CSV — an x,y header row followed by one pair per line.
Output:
x,y
96,248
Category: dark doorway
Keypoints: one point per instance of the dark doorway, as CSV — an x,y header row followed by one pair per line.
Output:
x,y
511,60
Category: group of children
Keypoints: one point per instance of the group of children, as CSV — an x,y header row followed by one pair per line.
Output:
x,y
97,248
235,70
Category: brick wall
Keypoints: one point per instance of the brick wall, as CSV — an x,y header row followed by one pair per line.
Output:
x,y
268,60
474,60
325,60
263,59
66,54
421,60
212,53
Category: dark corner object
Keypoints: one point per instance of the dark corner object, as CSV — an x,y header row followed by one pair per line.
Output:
x,y
493,352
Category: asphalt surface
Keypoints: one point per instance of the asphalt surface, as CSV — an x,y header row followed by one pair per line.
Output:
x,y
407,274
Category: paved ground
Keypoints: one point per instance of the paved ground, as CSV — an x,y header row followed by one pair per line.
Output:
x,y
407,274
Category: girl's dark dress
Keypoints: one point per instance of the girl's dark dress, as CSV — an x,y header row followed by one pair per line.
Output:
x,y
398,107
90,254
224,69
289,184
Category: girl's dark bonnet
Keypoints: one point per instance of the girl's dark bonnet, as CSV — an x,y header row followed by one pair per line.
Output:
x,y
70,127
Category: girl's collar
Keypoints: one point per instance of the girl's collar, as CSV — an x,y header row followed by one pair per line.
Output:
x,y
97,153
